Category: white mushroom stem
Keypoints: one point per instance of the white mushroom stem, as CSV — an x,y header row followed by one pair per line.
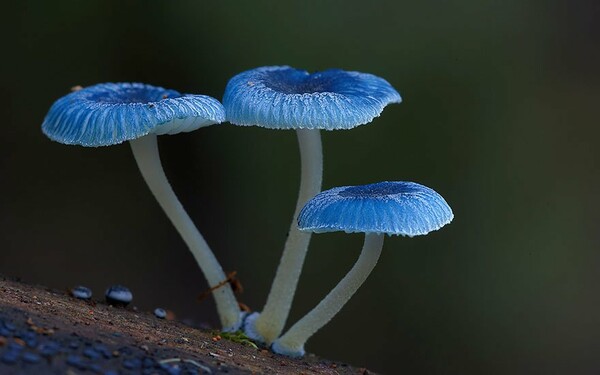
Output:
x,y
292,342
145,151
267,326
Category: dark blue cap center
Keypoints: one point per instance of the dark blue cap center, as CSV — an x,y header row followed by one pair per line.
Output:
x,y
381,189
135,93
294,81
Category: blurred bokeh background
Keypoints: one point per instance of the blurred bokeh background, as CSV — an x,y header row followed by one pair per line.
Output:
x,y
500,115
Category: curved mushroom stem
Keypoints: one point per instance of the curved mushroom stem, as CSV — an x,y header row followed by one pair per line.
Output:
x,y
292,342
145,151
267,325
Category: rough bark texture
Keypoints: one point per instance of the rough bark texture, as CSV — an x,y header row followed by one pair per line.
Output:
x,y
48,332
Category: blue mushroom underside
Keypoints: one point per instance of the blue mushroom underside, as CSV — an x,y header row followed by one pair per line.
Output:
x,y
394,208
111,113
281,97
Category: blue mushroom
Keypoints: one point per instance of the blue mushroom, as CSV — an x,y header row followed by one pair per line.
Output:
x,y
393,208
111,113
281,97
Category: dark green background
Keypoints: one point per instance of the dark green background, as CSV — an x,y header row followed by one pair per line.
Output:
x,y
500,115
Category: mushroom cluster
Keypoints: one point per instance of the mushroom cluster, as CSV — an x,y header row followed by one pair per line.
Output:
x,y
274,97
281,97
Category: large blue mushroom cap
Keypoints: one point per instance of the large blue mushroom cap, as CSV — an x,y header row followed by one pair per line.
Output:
x,y
111,113
281,97
400,208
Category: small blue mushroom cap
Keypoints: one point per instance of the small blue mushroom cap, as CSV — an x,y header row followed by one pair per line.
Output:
x,y
281,97
160,313
118,295
111,113
393,208
81,292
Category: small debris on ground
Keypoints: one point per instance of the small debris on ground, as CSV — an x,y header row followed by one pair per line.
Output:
x,y
56,334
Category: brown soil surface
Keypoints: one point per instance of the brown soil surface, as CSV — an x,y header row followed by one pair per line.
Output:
x,y
93,337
